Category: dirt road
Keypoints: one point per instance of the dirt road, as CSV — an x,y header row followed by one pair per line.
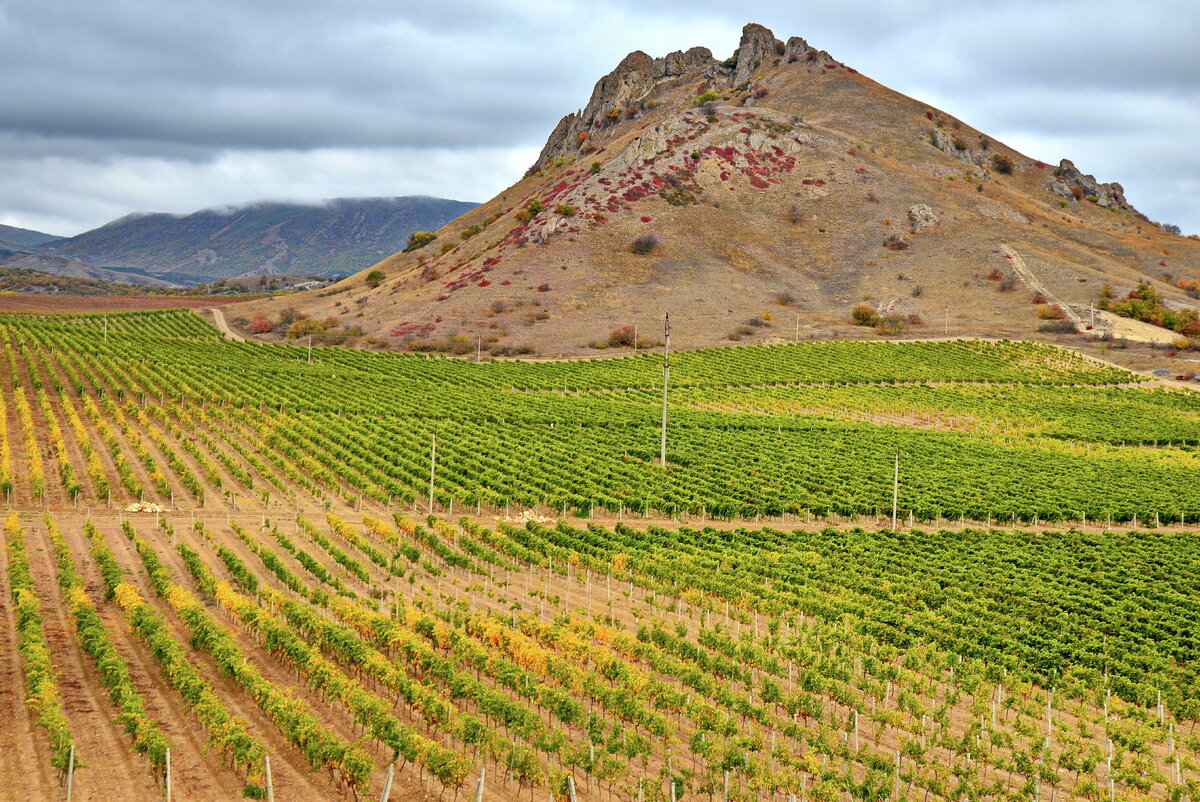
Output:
x,y
219,321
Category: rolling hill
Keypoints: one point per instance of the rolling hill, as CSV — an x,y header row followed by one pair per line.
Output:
x,y
757,198
336,237
12,237
33,259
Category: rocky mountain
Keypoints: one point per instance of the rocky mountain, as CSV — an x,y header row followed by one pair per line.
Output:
x,y
762,197
337,237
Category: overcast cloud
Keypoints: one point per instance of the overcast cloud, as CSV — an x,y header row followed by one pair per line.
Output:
x,y
131,105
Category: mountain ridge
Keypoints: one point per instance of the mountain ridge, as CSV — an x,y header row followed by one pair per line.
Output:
x,y
336,236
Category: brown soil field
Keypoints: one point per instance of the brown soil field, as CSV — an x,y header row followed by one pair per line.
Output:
x,y
37,304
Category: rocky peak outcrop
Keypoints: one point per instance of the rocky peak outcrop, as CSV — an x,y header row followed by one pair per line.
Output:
x,y
618,95
796,46
694,59
758,45
625,92
797,50
1074,185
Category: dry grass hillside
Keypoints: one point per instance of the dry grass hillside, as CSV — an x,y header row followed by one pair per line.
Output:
x,y
770,193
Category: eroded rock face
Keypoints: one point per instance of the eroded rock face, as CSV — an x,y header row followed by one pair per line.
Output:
x,y
798,51
634,78
921,218
678,63
758,45
796,46
1074,185
947,142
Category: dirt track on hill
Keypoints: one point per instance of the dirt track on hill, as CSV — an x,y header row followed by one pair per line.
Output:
x,y
219,321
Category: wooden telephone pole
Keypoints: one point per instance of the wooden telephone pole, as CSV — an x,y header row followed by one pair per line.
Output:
x,y
666,377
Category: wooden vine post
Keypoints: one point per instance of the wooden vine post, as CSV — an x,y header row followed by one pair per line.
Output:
x,y
387,784
478,797
71,764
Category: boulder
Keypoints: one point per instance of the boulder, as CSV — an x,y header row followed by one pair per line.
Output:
x,y
921,218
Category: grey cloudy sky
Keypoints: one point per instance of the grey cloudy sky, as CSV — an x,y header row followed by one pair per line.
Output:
x,y
130,105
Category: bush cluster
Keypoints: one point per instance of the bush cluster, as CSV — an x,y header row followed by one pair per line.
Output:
x,y
888,323
294,324
864,315
621,337
419,239
1146,304
644,244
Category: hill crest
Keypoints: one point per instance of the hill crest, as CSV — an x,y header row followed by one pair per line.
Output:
x,y
779,186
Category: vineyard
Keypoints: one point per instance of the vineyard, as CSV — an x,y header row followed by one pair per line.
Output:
x,y
156,406
302,618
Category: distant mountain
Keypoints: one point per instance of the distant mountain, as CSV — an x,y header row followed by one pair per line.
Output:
x,y
337,237
23,238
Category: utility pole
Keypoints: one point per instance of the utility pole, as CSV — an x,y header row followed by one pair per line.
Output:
x,y
106,328
635,338
946,330
432,467
796,339
310,349
895,491
666,378
478,347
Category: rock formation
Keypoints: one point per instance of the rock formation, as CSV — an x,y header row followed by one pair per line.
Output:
x,y
757,46
620,94
1074,185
